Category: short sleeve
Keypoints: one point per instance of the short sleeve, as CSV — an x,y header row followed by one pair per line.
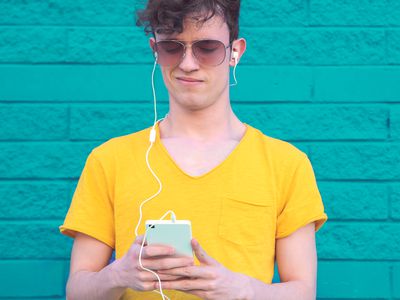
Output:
x,y
300,200
91,210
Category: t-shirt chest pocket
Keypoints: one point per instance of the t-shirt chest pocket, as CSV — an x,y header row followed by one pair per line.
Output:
x,y
247,222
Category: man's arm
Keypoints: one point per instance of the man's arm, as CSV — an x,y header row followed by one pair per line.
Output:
x,y
90,277
296,256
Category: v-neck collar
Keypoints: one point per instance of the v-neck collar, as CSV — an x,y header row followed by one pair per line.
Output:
x,y
227,159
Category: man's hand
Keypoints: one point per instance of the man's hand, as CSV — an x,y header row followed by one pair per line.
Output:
x,y
209,281
128,273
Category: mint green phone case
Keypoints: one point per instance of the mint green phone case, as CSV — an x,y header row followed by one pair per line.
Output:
x,y
177,235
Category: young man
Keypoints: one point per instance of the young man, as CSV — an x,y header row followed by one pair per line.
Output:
x,y
251,198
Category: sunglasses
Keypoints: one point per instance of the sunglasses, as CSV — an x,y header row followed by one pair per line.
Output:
x,y
207,52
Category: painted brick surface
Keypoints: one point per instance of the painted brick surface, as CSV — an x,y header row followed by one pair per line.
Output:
x,y
104,122
348,241
75,83
41,122
317,122
33,45
395,123
341,84
353,280
43,160
395,201
33,240
25,278
67,12
344,12
393,37
367,161
321,74
34,200
108,45
355,200
396,280
274,13
315,46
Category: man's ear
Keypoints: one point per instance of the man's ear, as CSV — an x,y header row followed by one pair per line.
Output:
x,y
239,46
152,42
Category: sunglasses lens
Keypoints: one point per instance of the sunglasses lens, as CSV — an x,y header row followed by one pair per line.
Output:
x,y
209,52
169,52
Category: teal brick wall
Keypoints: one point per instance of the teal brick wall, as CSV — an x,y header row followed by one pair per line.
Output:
x,y
321,74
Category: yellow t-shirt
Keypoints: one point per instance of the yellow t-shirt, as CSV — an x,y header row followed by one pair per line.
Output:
x,y
264,190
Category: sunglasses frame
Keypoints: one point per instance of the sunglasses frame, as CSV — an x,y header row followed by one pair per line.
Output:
x,y
190,44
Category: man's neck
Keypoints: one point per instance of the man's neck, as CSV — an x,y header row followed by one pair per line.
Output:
x,y
202,126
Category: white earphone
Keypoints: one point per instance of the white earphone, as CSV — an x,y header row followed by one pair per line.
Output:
x,y
235,56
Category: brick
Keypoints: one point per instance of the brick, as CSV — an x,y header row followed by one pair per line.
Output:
x,y
104,122
393,15
108,45
395,122
79,83
67,12
41,122
317,122
273,13
355,200
359,240
395,201
393,51
314,46
43,278
133,83
396,280
43,160
32,45
353,280
261,83
356,161
33,240
34,200
377,84
344,12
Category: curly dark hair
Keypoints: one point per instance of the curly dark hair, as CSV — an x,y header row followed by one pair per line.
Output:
x,y
167,16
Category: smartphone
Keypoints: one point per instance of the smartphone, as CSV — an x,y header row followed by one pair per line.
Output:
x,y
177,234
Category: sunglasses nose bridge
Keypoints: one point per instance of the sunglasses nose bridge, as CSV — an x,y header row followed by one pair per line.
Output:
x,y
191,54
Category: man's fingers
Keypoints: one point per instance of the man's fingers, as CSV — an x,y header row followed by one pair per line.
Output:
x,y
186,285
164,277
166,263
139,240
147,276
191,271
201,255
154,251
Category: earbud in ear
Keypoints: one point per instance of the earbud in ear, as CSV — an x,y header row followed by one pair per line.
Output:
x,y
155,54
235,55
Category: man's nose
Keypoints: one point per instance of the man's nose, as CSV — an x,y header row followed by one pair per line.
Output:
x,y
189,61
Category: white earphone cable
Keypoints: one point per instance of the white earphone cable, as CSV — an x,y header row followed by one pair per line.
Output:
x,y
152,139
